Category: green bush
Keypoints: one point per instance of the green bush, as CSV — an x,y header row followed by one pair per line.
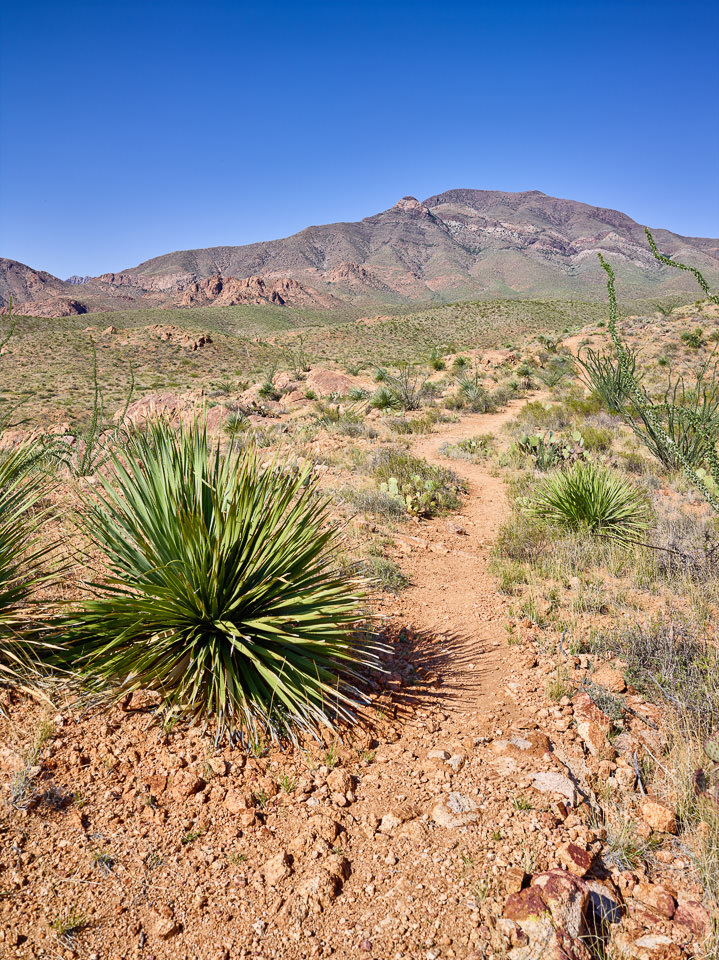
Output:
x,y
384,399
222,592
693,338
593,498
22,645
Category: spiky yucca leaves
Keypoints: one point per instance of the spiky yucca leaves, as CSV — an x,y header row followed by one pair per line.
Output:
x,y
222,594
593,498
22,644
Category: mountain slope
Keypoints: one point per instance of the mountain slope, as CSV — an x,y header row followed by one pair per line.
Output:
x,y
461,244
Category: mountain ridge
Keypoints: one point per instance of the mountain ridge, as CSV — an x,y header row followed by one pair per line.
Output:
x,y
459,244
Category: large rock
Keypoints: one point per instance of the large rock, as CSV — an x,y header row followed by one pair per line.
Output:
x,y
550,919
694,917
327,382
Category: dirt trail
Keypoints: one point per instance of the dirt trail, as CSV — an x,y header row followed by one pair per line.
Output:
x,y
452,595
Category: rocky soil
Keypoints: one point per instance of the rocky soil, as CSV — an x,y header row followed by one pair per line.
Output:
x,y
463,818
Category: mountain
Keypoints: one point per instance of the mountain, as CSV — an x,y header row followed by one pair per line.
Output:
x,y
461,244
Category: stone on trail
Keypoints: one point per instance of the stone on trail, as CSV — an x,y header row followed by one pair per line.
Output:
x,y
553,782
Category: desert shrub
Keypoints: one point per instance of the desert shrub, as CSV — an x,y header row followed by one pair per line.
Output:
x,y
383,573
460,363
436,360
470,448
521,538
358,393
501,395
408,386
222,592
371,500
592,498
547,451
554,370
412,426
682,426
693,338
23,646
597,439
605,376
671,659
423,488
537,417
384,399
268,391
236,422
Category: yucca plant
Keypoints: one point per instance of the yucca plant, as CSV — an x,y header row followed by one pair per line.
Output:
x,y
222,592
23,645
593,498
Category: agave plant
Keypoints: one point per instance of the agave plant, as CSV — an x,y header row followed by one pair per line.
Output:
x,y
222,591
22,645
591,497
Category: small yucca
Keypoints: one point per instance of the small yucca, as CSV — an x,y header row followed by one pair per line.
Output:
x,y
594,498
223,593
22,644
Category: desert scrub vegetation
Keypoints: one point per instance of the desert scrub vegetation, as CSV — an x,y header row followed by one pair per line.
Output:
x,y
474,449
222,591
421,487
688,440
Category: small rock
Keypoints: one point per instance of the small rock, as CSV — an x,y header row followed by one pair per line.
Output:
x,y
656,897
162,924
659,816
339,781
236,802
695,917
651,946
553,782
610,679
514,879
575,858
456,762
277,868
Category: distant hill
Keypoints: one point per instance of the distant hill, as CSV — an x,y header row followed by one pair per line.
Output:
x,y
462,244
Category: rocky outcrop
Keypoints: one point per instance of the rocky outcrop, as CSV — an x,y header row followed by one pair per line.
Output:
x,y
54,307
222,291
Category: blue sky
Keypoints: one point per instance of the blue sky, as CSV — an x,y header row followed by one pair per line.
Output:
x,y
132,129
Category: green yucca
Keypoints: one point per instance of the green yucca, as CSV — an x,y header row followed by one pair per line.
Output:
x,y
222,592
594,498
22,645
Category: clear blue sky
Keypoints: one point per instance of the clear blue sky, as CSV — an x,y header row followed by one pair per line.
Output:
x,y
133,129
